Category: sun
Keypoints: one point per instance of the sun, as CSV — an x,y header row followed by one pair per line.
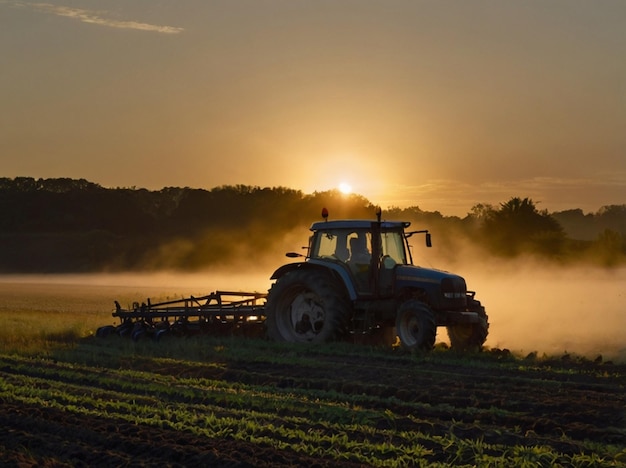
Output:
x,y
345,188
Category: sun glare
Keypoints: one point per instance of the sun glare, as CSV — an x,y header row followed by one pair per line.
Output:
x,y
345,188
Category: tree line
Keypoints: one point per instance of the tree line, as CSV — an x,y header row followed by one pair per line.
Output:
x,y
73,225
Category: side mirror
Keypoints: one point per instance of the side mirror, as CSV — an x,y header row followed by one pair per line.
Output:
x,y
429,242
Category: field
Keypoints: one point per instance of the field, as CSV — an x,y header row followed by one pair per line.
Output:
x,y
70,399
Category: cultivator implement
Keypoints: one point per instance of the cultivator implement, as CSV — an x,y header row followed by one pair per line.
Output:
x,y
221,312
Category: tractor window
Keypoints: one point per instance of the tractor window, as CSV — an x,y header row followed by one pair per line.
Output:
x,y
393,246
330,244
326,243
360,244
342,244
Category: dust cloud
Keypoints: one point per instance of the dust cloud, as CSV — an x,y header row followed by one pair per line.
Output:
x,y
532,307
551,310
543,307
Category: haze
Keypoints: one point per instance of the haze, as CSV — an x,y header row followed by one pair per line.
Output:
x,y
531,307
440,104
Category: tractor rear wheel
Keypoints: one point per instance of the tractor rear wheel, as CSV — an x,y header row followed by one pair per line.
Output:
x,y
306,306
470,336
415,326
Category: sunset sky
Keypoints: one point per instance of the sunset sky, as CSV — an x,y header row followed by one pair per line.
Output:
x,y
432,103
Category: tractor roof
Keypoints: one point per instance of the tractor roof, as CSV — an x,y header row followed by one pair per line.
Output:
x,y
356,224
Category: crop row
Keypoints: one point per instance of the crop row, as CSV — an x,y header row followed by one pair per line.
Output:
x,y
359,427
215,421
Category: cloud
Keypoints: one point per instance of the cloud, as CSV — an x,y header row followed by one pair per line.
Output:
x,y
92,17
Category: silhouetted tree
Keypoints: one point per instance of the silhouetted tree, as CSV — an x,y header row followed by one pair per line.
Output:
x,y
75,225
612,217
577,224
481,211
519,227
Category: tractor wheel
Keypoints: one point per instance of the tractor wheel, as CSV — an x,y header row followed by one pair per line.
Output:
x,y
470,336
415,326
306,306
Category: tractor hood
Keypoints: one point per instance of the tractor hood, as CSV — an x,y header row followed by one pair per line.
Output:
x,y
447,289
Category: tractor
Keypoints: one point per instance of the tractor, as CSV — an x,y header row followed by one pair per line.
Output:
x,y
358,279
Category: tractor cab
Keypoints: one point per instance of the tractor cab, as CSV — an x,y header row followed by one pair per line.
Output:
x,y
369,251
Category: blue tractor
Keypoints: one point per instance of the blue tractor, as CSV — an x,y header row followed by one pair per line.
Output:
x,y
358,279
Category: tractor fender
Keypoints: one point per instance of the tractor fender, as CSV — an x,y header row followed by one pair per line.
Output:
x,y
338,271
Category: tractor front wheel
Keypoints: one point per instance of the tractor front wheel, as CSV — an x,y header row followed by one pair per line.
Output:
x,y
470,336
415,326
306,306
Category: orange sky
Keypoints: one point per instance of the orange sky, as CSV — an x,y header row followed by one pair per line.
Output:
x,y
439,104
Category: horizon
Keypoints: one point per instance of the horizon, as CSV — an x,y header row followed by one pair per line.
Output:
x,y
342,190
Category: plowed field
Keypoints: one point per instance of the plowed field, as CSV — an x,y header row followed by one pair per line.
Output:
x,y
244,402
